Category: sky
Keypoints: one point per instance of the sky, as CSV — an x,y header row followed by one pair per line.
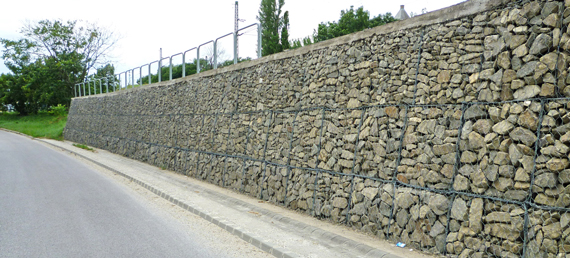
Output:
x,y
147,26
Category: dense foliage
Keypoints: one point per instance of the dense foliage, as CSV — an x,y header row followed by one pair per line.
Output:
x,y
45,124
351,21
46,63
274,27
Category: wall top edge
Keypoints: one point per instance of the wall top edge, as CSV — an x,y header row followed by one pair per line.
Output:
x,y
467,8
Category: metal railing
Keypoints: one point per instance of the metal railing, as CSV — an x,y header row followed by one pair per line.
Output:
x,y
80,88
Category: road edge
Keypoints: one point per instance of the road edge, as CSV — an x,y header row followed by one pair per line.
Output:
x,y
229,227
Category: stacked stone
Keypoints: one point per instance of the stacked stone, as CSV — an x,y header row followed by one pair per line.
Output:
x,y
481,227
167,159
420,218
548,230
332,197
203,166
257,134
305,145
548,233
497,149
190,164
339,139
429,146
323,81
182,126
551,177
300,190
509,54
205,129
397,55
230,102
498,55
451,53
252,178
370,207
215,169
273,187
279,137
379,141
239,130
281,89
233,175
222,133
192,134
181,157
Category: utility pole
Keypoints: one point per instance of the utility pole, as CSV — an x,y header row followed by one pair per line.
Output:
x,y
236,35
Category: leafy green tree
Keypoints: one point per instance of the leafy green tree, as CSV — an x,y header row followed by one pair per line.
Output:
x,y
297,43
49,60
271,24
104,75
285,32
381,19
11,91
350,21
307,41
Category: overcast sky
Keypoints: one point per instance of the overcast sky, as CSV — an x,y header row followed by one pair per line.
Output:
x,y
175,26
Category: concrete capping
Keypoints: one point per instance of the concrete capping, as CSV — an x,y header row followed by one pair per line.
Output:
x,y
467,8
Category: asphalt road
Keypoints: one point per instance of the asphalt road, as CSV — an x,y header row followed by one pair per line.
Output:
x,y
52,205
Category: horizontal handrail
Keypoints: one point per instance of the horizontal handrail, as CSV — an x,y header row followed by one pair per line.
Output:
x,y
78,87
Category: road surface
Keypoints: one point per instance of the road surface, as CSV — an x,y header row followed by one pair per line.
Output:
x,y
52,205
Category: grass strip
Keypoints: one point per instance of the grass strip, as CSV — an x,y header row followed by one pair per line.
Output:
x,y
39,125
82,146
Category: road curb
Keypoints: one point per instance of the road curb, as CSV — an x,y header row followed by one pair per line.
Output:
x,y
366,251
246,236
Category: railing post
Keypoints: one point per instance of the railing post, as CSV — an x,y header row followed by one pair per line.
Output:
x,y
259,40
183,64
83,89
107,84
89,86
100,87
216,54
140,75
198,60
170,77
149,74
184,61
160,67
114,86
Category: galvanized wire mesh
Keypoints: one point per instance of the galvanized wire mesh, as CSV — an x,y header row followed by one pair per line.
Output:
x,y
455,138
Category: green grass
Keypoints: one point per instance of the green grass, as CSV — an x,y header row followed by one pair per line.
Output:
x,y
81,146
40,125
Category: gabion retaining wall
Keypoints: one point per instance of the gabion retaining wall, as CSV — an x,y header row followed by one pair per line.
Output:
x,y
452,137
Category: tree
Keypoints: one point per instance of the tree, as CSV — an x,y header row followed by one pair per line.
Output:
x,y
285,32
297,43
50,59
221,55
271,24
350,21
381,20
